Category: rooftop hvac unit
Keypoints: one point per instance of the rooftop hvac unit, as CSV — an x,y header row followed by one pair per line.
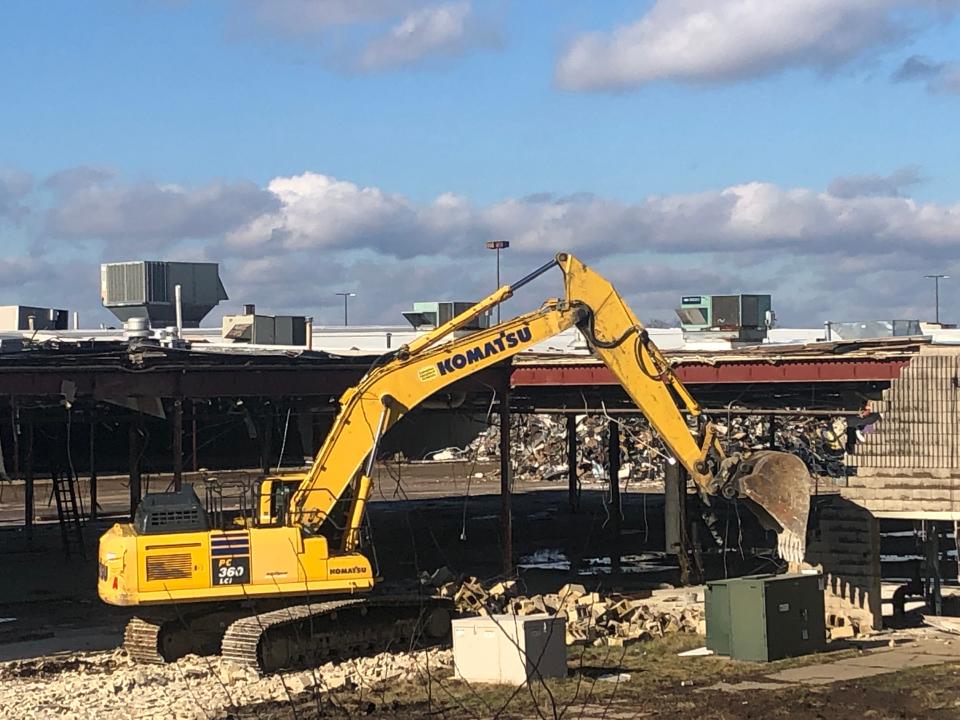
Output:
x,y
145,289
28,317
871,329
431,315
265,329
742,318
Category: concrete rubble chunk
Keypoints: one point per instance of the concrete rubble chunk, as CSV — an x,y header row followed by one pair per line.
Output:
x,y
571,592
589,599
591,618
506,588
840,632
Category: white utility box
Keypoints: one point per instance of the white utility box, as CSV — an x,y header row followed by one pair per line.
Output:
x,y
509,649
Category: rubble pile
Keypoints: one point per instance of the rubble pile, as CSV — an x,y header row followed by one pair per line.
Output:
x,y
541,445
541,442
591,619
109,684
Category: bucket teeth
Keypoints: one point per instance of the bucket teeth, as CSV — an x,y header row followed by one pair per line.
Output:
x,y
790,546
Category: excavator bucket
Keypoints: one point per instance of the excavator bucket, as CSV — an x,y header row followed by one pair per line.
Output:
x,y
776,487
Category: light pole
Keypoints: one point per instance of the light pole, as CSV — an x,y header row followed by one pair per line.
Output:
x,y
936,294
345,295
498,245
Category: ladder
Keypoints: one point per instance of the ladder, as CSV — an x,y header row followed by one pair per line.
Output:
x,y
71,528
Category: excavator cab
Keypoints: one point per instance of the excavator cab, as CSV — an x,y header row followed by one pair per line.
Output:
x,y
272,497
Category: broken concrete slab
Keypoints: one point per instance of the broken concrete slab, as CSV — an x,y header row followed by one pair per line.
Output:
x,y
917,652
872,662
744,686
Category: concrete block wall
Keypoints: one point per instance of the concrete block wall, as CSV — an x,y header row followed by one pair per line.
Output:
x,y
845,543
909,466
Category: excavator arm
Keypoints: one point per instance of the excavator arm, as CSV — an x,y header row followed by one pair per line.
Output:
x,y
777,491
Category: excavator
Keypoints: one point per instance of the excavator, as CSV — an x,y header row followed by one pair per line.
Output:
x,y
289,583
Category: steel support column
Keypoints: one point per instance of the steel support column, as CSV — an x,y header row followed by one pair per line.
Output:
x,y
177,444
675,508
135,445
28,484
15,428
933,592
573,491
266,443
613,469
193,434
93,470
673,493
506,511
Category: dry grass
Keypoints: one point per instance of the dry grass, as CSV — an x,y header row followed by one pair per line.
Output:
x,y
655,670
661,684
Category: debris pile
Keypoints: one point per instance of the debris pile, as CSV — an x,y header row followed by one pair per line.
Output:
x,y
541,445
591,619
542,448
109,684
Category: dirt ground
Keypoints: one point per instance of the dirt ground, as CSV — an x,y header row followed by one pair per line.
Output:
x,y
647,680
434,516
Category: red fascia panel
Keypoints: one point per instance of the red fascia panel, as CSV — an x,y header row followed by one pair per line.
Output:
x,y
788,371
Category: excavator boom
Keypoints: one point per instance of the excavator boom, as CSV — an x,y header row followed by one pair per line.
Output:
x,y
777,488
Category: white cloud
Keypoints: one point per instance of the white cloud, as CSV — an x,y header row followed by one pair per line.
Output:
x,y
795,240
372,35
305,17
714,41
939,77
318,212
856,249
447,29
92,205
14,188
321,212
894,184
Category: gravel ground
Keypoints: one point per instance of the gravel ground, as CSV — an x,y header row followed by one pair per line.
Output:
x,y
97,686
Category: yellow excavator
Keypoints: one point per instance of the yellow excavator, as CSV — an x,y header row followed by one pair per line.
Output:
x,y
283,585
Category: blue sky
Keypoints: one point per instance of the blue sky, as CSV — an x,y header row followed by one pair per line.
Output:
x,y
194,109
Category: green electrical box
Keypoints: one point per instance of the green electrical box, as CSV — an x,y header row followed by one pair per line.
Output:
x,y
717,606
766,617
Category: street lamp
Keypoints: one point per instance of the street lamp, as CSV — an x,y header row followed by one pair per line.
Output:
x,y
498,245
345,295
936,294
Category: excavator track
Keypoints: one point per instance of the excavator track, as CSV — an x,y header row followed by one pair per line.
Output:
x,y
312,634
164,637
141,640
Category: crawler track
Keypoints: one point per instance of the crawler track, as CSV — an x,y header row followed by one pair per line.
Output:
x,y
141,639
312,634
296,635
